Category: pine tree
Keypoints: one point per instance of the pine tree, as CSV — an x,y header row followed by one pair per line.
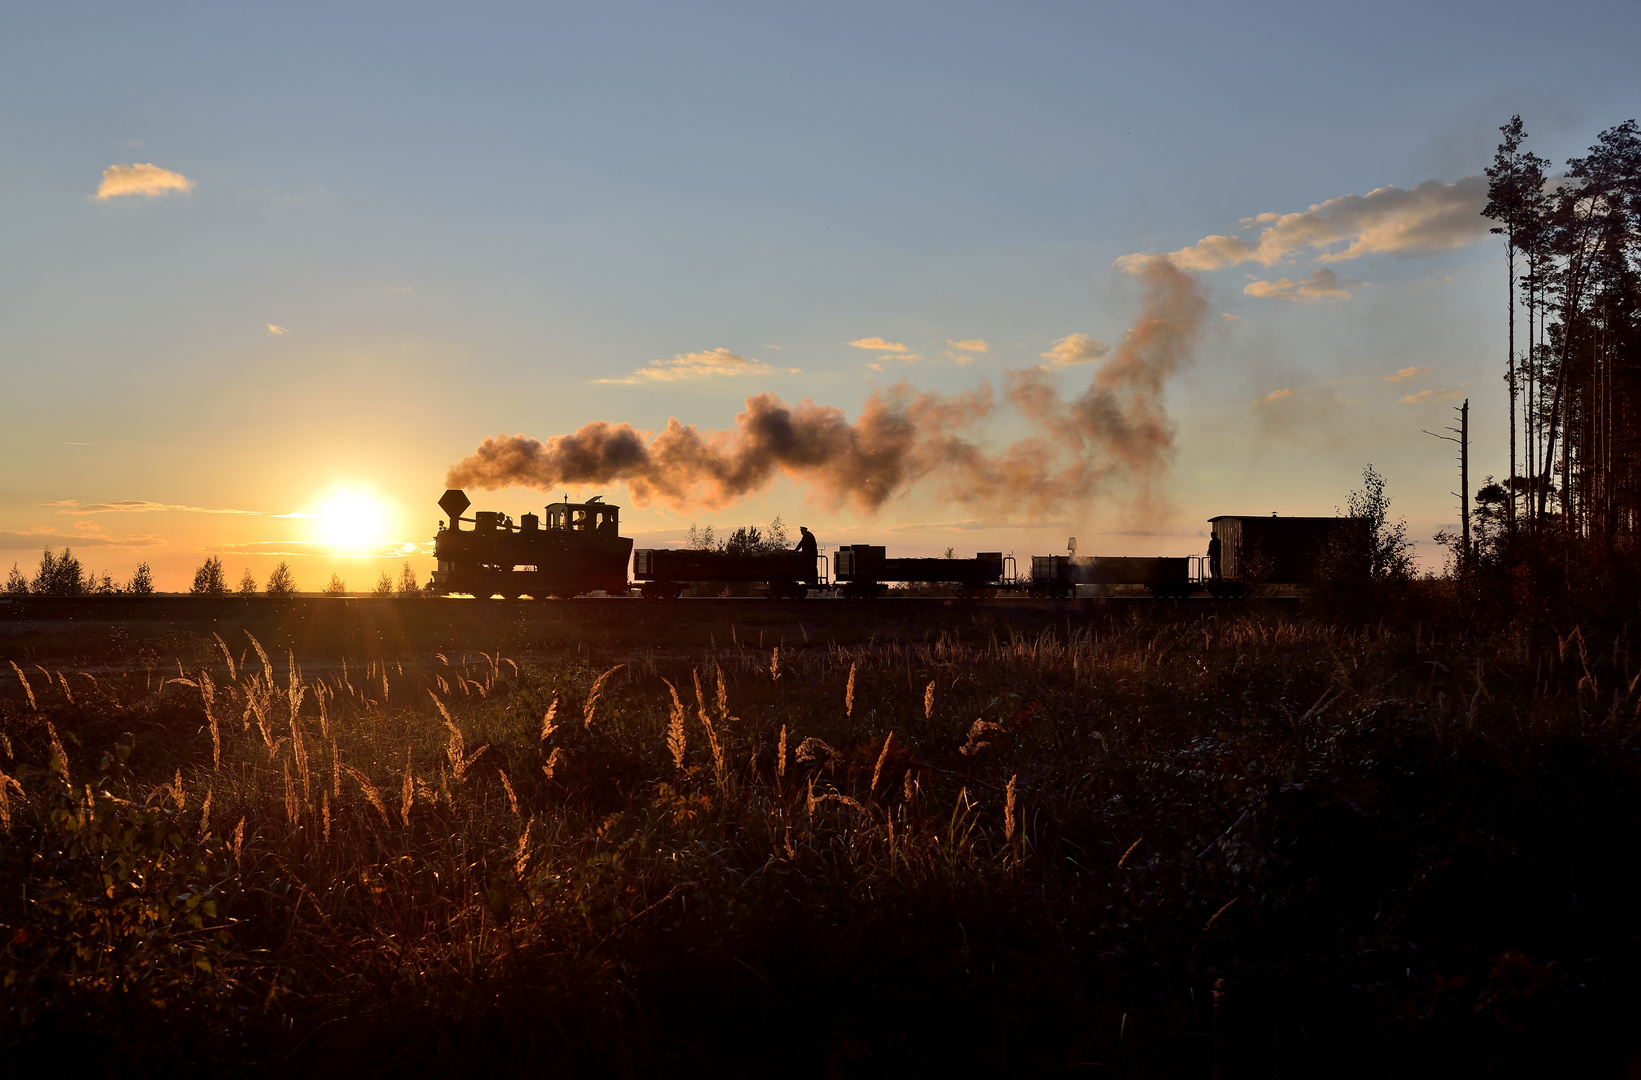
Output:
x,y
247,583
16,583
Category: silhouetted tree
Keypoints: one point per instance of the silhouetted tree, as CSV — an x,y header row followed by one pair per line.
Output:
x,y
384,585
142,582
209,579
281,582
247,583
407,581
16,583
59,575
336,586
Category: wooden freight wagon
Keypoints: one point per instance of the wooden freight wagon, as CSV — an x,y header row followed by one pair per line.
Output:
x,y
1280,550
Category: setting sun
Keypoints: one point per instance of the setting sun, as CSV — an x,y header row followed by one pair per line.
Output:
x,y
350,517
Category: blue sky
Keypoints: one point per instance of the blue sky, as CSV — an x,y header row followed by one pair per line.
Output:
x,y
462,218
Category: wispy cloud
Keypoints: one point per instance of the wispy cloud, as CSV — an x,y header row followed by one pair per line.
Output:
x,y
136,506
1277,395
1323,284
272,329
961,352
696,365
1444,394
136,179
387,549
1075,349
1405,374
1428,217
45,536
877,344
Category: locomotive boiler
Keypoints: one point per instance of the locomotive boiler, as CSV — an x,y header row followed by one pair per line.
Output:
x,y
574,548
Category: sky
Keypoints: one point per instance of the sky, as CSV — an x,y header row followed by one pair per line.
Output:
x,y
270,273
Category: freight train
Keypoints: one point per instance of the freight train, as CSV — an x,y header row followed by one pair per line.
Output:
x,y
576,548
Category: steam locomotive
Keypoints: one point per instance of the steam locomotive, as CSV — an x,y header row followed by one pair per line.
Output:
x,y
577,548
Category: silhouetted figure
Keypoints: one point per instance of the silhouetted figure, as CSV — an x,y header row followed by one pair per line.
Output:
x,y
807,546
1214,549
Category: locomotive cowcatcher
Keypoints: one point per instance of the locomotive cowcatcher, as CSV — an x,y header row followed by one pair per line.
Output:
x,y
578,548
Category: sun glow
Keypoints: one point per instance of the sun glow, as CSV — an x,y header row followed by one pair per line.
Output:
x,y
351,518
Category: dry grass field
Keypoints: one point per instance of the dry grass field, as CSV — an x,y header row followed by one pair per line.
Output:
x,y
417,837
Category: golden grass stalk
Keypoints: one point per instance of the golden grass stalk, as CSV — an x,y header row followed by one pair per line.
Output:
x,y
512,800
547,724
27,689
774,664
849,694
5,800
324,801
551,763
675,728
780,761
208,691
372,796
262,655
1008,811
59,756
226,656
205,817
593,695
407,793
877,770
723,692
68,693
239,838
176,790
522,858
928,701
291,809
1129,852
1215,917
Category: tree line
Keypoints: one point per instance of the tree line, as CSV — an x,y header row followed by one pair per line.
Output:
x,y
62,574
1572,246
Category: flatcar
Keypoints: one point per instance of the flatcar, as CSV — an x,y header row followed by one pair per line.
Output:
x,y
863,568
1162,576
574,548
664,573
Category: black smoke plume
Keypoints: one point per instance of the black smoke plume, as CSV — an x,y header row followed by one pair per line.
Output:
x,y
1115,434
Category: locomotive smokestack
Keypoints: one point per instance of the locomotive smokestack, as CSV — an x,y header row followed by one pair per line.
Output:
x,y
1114,434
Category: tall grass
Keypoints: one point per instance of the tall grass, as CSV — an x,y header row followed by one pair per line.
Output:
x,y
1151,847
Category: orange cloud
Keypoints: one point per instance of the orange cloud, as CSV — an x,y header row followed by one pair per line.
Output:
x,y
969,345
272,329
1323,284
1444,394
696,365
1075,349
135,179
1432,216
1405,374
877,344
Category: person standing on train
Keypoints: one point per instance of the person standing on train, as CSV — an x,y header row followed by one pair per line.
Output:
x,y
807,546
1214,549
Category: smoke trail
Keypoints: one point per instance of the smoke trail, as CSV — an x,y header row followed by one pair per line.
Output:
x,y
1115,433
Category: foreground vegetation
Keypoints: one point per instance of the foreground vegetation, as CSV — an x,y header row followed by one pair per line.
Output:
x,y
1257,845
